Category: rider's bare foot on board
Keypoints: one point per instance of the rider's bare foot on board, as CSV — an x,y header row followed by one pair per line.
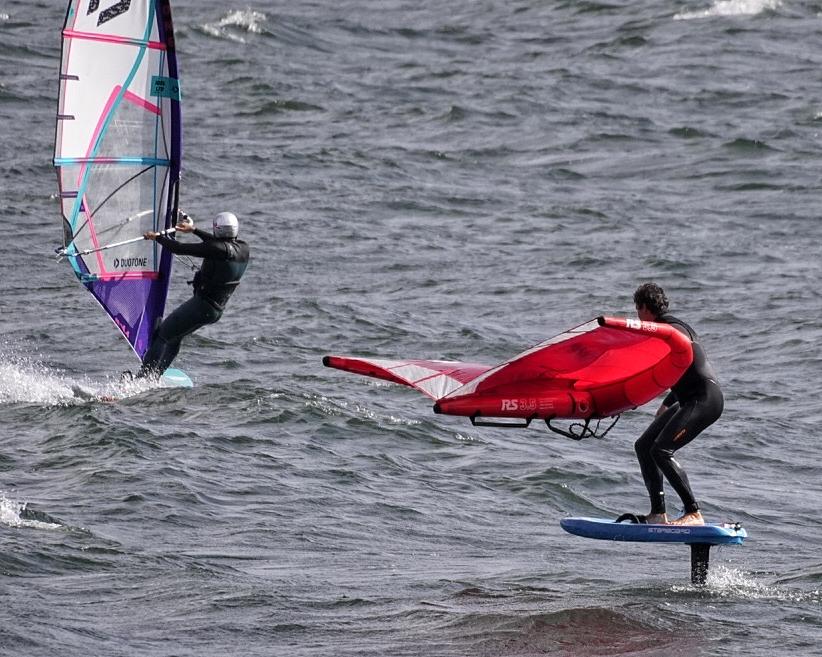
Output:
x,y
694,518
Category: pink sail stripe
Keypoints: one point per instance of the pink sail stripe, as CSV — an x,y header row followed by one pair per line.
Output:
x,y
129,276
142,102
82,172
113,38
92,232
100,121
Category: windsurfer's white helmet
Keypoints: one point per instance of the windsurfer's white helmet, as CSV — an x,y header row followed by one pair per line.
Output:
x,y
226,225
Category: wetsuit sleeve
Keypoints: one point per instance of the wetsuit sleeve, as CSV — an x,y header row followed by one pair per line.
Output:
x,y
206,237
206,249
670,399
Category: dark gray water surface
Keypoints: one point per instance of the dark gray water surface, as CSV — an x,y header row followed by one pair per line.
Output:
x,y
423,179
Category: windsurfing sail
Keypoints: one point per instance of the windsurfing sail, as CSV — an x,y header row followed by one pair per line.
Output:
x,y
117,153
596,370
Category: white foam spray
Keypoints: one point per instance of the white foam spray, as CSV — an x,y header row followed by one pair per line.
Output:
x,y
731,8
12,515
25,380
726,582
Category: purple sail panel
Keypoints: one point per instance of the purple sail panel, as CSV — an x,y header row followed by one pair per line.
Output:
x,y
134,306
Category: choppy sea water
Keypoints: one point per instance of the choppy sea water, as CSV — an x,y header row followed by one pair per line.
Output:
x,y
448,180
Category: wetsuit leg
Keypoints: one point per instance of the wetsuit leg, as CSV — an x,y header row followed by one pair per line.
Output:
x,y
190,316
651,473
690,419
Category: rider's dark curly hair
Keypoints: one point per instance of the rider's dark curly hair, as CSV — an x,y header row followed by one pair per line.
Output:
x,y
652,297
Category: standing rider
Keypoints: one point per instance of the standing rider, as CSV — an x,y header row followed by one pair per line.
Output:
x,y
694,403
225,259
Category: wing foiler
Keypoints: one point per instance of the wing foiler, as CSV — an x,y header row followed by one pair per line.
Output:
x,y
593,371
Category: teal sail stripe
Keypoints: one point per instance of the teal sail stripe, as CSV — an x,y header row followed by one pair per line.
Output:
x,y
143,161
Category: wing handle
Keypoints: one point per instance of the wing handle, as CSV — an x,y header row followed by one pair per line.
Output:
x,y
477,422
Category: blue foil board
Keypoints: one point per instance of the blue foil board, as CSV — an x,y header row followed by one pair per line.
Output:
x,y
606,529
173,378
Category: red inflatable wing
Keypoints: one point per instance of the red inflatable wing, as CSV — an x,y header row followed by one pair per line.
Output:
x,y
596,370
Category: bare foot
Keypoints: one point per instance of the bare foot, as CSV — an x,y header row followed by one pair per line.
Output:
x,y
694,518
656,519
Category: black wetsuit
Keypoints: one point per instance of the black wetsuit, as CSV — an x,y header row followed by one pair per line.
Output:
x,y
224,262
694,403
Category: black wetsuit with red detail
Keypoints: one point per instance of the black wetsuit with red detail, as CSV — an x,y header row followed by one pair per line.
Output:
x,y
224,262
694,403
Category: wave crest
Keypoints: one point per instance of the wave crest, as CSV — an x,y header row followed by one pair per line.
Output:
x,y
233,24
731,8
13,514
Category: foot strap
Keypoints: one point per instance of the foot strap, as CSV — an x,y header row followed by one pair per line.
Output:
x,y
633,518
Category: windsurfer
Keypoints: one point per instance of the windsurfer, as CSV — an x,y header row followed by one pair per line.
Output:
x,y
225,259
693,404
